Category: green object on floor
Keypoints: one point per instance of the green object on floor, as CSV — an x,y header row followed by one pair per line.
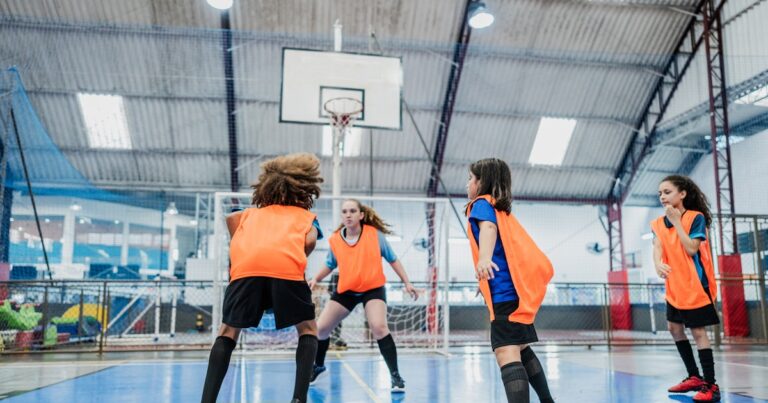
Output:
x,y
51,334
25,319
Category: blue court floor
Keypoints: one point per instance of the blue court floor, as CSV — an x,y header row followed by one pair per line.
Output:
x,y
576,374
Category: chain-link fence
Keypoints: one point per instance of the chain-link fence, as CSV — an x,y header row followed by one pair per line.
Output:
x,y
163,315
101,315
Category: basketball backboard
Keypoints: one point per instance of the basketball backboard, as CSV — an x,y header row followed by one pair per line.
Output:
x,y
312,77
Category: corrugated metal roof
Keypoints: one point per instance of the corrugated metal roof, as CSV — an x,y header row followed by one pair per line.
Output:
x,y
590,60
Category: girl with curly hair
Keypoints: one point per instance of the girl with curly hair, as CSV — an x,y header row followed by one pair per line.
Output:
x,y
682,257
268,255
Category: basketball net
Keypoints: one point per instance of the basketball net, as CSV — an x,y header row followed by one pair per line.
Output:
x,y
342,113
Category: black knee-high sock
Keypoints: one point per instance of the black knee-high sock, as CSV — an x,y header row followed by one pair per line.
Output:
x,y
536,375
322,349
305,355
707,364
218,363
686,353
515,382
389,352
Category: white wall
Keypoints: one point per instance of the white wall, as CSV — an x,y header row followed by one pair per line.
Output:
x,y
561,231
749,160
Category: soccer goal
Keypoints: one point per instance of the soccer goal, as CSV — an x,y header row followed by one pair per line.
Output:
x,y
420,240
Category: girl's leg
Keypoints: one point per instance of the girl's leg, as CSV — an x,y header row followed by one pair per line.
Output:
x,y
305,355
376,313
536,376
218,362
684,348
705,353
513,373
333,313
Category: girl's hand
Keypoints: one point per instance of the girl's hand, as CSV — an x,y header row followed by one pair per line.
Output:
x,y
410,289
312,283
663,270
485,268
673,214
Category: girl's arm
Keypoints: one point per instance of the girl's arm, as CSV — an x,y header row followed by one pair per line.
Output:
x,y
310,241
675,217
691,245
400,271
323,273
233,221
662,269
486,243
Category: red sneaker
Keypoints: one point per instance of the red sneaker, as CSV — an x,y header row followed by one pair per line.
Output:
x,y
708,393
688,384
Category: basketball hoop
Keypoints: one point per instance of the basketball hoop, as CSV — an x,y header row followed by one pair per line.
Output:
x,y
343,111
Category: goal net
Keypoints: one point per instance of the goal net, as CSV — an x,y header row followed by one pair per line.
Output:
x,y
420,241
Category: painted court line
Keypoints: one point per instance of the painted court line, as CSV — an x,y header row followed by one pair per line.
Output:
x,y
359,380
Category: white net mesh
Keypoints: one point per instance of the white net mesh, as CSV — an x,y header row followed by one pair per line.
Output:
x,y
420,243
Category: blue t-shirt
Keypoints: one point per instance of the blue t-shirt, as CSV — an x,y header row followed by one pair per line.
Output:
x,y
502,287
386,251
698,231
316,224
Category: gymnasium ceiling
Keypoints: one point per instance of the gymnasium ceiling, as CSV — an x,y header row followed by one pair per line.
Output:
x,y
593,61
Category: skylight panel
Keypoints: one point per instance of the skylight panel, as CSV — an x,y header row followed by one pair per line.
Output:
x,y
105,122
552,140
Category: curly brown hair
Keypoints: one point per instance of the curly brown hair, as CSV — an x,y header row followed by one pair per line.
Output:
x,y
370,217
495,180
694,197
288,180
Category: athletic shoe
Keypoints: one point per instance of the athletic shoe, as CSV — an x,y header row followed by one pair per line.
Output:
x,y
398,384
688,384
709,393
316,371
296,400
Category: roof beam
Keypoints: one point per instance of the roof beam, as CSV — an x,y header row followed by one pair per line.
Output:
x,y
646,128
451,91
650,136
418,108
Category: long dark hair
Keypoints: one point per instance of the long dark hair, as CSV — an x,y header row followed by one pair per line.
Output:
x,y
495,181
694,198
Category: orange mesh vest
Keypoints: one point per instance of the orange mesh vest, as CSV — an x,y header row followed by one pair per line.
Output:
x,y
684,288
530,268
360,267
269,242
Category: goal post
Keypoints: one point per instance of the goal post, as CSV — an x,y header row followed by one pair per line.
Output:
x,y
420,240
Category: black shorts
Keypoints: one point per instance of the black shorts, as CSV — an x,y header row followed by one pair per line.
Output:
x,y
247,298
350,299
506,333
693,318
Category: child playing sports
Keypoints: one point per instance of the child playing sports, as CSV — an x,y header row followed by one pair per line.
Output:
x,y
513,274
268,255
357,248
682,257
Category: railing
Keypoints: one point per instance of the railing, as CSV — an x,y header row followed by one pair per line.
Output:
x,y
122,315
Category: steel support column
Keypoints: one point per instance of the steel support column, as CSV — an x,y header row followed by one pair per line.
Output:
x,y
645,136
615,236
229,83
719,128
452,89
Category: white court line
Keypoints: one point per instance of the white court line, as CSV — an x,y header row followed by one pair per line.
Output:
x,y
359,380
243,380
745,365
